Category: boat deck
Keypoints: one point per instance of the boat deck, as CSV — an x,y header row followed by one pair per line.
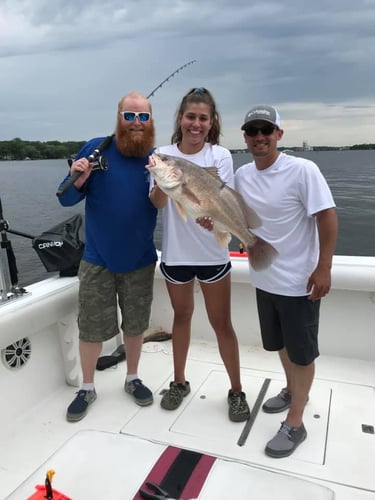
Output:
x,y
337,456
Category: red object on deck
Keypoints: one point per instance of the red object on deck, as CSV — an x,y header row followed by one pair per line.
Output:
x,y
40,494
238,254
179,470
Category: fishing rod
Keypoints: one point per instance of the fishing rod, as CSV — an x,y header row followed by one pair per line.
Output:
x,y
100,162
8,266
171,76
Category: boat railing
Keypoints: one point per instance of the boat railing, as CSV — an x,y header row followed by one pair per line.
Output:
x,y
9,288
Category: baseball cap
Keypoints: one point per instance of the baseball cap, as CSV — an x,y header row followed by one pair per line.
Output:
x,y
261,112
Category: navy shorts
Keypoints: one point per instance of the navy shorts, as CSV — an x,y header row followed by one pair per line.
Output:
x,y
290,322
183,274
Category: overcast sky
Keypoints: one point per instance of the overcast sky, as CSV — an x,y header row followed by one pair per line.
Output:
x,y
64,64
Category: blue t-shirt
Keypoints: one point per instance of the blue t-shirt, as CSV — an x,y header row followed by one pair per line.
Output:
x,y
119,218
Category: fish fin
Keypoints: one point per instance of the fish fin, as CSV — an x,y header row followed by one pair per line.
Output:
x,y
180,210
189,194
252,219
222,237
261,254
212,171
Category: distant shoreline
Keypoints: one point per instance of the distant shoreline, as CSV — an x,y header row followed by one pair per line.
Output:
x,y
297,149
18,150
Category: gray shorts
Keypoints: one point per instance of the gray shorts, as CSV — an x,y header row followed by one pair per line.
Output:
x,y
101,291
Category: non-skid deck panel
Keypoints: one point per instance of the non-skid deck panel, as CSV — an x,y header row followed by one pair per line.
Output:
x,y
96,465
206,416
336,449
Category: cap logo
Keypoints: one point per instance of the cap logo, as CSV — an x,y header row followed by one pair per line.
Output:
x,y
259,112
262,112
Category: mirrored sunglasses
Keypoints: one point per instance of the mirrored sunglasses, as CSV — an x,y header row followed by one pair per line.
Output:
x,y
252,131
130,116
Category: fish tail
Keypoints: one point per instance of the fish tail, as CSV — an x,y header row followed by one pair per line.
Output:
x,y
261,254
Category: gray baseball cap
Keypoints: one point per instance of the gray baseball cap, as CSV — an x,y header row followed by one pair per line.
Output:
x,y
264,113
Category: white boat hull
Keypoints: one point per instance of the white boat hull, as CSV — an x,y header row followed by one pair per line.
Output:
x,y
336,457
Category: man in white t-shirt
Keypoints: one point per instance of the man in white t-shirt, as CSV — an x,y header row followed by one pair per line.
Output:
x,y
299,219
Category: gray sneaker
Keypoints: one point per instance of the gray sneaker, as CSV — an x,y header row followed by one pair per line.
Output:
x,y
286,441
278,403
239,410
79,406
141,394
173,397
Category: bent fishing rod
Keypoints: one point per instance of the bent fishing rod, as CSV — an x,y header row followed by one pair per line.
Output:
x,y
96,157
170,76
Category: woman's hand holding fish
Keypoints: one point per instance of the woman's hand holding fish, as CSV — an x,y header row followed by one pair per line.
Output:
x,y
205,222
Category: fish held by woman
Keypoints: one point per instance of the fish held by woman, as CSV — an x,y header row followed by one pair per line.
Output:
x,y
199,192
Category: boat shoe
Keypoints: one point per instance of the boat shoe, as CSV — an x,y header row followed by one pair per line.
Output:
x,y
79,406
141,394
278,403
239,410
173,397
286,440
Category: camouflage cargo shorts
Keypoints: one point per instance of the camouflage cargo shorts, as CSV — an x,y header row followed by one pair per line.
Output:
x,y
100,291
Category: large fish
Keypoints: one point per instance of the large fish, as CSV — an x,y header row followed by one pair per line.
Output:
x,y
199,192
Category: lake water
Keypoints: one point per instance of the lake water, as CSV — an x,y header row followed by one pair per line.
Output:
x,y
27,191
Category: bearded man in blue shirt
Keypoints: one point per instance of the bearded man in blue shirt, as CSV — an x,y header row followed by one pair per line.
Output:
x,y
118,263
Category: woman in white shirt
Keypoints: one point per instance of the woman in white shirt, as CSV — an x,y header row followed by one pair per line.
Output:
x,y
189,251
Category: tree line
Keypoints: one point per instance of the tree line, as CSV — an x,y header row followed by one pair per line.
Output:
x,y
363,146
18,149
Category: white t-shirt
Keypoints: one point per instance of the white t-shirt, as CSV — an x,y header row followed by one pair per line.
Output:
x,y
187,243
286,195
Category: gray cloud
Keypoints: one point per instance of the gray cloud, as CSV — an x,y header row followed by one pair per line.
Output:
x,y
65,64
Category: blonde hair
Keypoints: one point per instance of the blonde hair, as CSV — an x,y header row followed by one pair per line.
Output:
x,y
134,94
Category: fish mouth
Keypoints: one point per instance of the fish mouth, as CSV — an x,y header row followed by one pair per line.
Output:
x,y
161,157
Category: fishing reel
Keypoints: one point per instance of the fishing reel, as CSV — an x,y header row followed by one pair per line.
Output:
x,y
98,161
96,158
4,226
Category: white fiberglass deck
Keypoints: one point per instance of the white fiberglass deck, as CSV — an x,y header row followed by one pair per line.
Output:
x,y
337,454
118,464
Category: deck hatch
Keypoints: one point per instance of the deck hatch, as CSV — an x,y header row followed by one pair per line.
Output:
x,y
342,409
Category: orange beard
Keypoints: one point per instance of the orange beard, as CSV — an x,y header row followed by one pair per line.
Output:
x,y
137,145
